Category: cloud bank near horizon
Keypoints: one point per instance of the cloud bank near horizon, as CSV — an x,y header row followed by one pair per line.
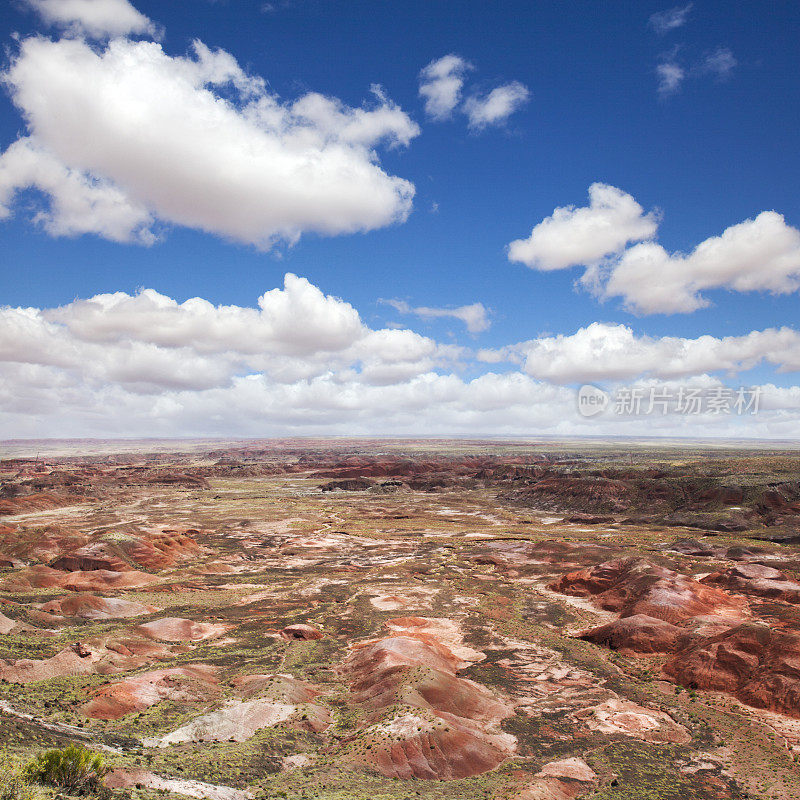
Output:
x,y
303,362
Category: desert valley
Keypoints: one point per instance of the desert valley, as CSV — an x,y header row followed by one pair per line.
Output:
x,y
341,619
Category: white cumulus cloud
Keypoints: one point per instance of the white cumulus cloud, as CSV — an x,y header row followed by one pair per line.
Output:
x,y
96,18
497,106
761,254
573,236
611,352
134,136
303,362
441,83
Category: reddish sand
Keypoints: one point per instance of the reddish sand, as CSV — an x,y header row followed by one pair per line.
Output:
x,y
566,779
41,577
42,501
149,551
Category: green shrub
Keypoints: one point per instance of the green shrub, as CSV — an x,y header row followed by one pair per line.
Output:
x,y
74,769
14,785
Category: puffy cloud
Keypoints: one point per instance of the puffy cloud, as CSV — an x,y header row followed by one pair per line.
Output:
x,y
441,83
474,316
665,21
718,64
609,352
441,86
572,236
129,135
304,362
95,18
78,204
497,106
150,342
670,77
761,254
328,323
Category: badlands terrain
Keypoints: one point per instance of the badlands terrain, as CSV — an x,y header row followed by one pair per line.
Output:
x,y
347,619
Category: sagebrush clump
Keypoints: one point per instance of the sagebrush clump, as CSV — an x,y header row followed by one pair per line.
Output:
x,y
75,769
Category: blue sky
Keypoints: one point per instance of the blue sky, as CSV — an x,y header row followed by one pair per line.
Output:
x,y
715,149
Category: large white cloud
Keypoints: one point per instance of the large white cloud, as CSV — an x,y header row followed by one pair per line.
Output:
x,y
761,254
610,352
150,343
135,135
96,18
572,236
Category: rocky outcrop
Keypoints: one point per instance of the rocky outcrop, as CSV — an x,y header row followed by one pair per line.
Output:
x,y
348,485
638,634
98,656
180,684
178,629
634,586
756,580
301,632
755,662
90,606
423,720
